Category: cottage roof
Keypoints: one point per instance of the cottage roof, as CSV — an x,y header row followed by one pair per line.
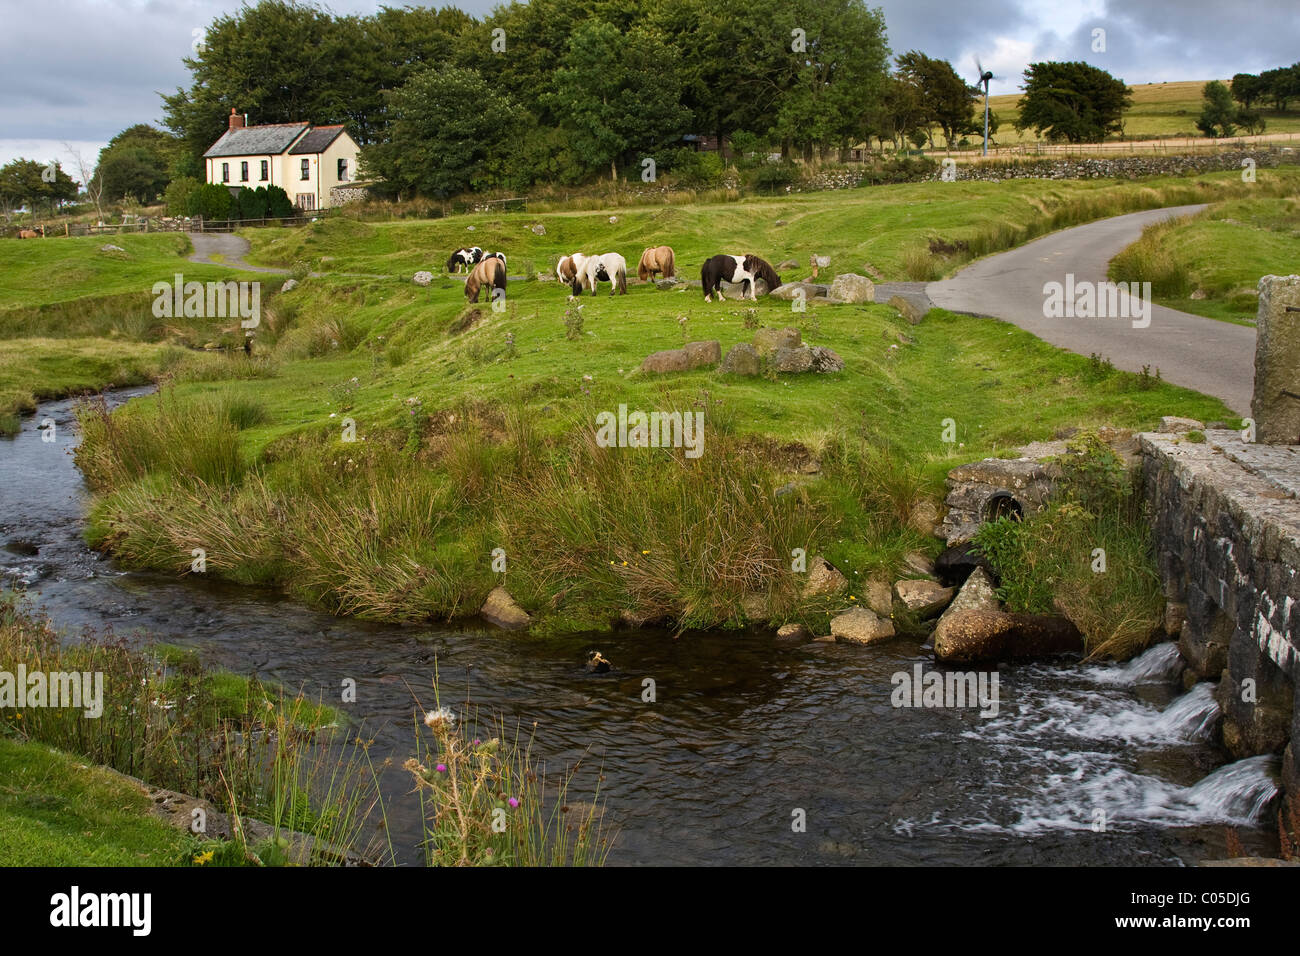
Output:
x,y
271,139
317,140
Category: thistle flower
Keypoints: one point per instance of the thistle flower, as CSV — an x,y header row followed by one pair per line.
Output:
x,y
440,720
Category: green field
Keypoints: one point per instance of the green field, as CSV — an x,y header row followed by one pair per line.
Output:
x,y
1159,109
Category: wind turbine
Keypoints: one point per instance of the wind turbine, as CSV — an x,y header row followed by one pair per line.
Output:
x,y
985,76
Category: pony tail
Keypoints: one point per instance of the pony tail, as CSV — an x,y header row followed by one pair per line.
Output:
x,y
670,265
643,270
622,281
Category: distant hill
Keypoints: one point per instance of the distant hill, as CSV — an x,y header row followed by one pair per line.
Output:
x,y
1159,109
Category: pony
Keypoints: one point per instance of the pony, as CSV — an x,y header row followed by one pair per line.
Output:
x,y
495,255
609,267
464,257
657,259
37,233
489,272
743,270
566,269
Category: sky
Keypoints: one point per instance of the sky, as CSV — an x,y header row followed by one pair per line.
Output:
x,y
76,72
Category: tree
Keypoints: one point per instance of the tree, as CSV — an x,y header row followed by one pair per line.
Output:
x,y
1219,113
26,182
945,98
1281,85
1246,88
446,134
278,204
137,163
617,93
212,201
177,196
1075,102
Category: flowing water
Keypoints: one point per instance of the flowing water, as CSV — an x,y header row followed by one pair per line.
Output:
x,y
1082,764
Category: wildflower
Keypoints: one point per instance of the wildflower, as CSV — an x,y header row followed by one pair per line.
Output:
x,y
645,552
203,858
441,768
439,720
513,802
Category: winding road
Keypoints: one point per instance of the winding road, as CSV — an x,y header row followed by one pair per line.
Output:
x,y
1217,358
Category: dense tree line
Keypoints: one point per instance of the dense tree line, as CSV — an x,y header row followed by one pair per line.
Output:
x,y
551,91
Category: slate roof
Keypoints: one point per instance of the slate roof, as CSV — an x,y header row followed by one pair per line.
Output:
x,y
271,139
317,140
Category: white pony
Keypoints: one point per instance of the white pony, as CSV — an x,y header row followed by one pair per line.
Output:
x,y
609,267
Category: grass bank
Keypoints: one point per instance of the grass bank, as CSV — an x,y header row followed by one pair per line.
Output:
x,y
1210,264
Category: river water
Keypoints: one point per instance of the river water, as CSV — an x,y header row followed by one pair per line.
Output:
x,y
1083,764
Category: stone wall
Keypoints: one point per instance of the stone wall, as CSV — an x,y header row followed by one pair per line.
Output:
x,y
342,195
1227,530
1122,167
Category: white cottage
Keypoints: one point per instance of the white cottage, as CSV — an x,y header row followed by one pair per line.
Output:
x,y
306,161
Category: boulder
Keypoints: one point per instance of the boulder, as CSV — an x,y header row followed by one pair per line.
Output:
x,y
924,517
919,563
794,633
666,284
500,608
811,290
792,360
754,607
700,354
769,340
976,594
669,360
906,309
879,596
923,597
420,278
823,578
826,360
983,635
539,230
291,284
860,626
741,359
788,264
851,287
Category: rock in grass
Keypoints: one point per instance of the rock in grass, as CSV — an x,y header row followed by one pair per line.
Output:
x,y
291,284
826,360
860,626
701,354
879,596
823,578
792,361
420,278
924,598
851,287
741,359
669,360
906,309
502,610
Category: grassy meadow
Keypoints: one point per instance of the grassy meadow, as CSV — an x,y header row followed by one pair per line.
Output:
x,y
386,439
1158,110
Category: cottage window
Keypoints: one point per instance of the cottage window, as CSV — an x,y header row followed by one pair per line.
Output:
x,y
343,170
306,169
266,168
243,172
225,172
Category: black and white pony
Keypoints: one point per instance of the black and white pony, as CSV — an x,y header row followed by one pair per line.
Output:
x,y
495,255
464,258
741,270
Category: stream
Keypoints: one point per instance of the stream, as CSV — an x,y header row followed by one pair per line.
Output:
x,y
1083,764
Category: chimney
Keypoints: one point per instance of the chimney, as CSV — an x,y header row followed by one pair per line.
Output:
x,y
236,121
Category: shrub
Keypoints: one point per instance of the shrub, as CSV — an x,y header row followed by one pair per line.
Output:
x,y
211,201
179,194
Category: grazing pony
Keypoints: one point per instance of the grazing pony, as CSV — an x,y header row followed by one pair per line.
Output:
x,y
37,233
657,259
743,270
566,268
464,257
489,272
495,255
610,267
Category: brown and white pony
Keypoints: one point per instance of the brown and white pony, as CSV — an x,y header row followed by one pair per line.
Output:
x,y
37,233
742,270
489,272
568,267
657,259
